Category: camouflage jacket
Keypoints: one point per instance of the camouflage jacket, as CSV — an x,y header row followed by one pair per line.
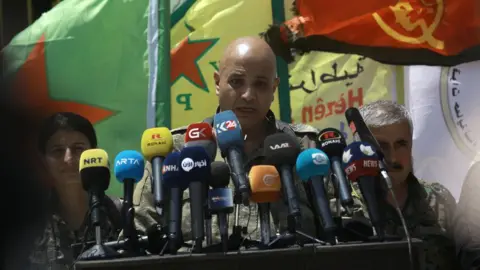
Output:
x,y
467,219
52,250
428,213
146,216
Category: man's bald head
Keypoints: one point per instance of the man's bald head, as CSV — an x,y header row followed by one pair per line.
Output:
x,y
253,48
247,80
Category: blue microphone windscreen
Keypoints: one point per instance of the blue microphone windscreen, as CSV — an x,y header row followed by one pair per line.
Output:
x,y
194,164
220,198
227,130
358,151
171,172
129,164
312,162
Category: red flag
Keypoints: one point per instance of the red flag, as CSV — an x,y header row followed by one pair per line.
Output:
x,y
406,32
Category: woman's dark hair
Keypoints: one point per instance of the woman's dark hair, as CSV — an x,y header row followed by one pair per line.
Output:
x,y
66,121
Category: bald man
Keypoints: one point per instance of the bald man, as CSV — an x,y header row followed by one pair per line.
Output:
x,y
245,83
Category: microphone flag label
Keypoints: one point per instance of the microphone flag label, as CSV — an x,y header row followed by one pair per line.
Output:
x,y
220,199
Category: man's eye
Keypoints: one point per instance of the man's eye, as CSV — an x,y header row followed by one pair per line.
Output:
x,y
235,81
261,84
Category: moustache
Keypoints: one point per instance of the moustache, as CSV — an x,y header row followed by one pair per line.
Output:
x,y
395,167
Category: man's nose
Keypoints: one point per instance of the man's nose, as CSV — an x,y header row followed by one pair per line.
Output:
x,y
68,158
248,95
389,154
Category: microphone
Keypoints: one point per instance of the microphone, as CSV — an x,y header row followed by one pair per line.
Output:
x,y
195,168
281,150
265,184
361,166
230,140
311,166
95,177
156,144
129,169
220,198
176,185
200,134
332,143
361,132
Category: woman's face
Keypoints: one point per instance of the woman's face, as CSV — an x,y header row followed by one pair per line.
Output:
x,y
62,155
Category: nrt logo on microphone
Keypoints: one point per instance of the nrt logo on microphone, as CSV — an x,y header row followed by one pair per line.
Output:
x,y
188,164
226,126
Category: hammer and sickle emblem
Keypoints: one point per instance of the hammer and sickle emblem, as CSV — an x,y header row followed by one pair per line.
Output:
x,y
401,11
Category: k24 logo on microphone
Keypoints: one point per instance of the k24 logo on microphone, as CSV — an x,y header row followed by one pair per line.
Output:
x,y
226,126
196,133
280,146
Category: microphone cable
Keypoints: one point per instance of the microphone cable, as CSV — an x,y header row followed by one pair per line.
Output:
x,y
400,215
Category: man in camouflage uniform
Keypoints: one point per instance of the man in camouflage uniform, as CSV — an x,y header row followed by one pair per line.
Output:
x,y
245,83
467,219
428,208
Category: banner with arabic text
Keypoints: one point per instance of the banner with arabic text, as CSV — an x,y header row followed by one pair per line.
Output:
x,y
324,85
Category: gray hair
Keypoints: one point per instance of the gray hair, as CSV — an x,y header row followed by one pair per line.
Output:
x,y
382,113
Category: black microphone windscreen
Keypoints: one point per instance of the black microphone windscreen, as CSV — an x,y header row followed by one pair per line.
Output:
x,y
332,142
220,174
95,177
281,149
358,126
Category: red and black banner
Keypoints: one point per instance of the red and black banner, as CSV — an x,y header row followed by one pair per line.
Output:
x,y
400,32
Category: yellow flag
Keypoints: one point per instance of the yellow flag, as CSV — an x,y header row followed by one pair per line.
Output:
x,y
198,41
324,85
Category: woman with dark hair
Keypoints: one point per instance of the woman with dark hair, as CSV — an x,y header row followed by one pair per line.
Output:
x,y
63,138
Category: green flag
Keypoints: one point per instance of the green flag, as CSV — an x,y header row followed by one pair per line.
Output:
x,y
90,57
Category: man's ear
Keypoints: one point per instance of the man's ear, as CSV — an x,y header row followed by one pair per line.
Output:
x,y
216,78
276,82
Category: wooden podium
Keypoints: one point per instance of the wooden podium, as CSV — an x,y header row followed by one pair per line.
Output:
x,y
372,256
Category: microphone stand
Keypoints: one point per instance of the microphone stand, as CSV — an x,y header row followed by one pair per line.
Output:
x,y
131,238
288,238
264,209
99,250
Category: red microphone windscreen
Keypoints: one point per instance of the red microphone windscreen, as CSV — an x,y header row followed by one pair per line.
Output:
x,y
198,132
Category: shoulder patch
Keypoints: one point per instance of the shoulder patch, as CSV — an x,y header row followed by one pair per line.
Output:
x,y
180,130
302,129
443,193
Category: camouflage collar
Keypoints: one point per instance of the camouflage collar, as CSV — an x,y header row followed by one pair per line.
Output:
x,y
415,189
